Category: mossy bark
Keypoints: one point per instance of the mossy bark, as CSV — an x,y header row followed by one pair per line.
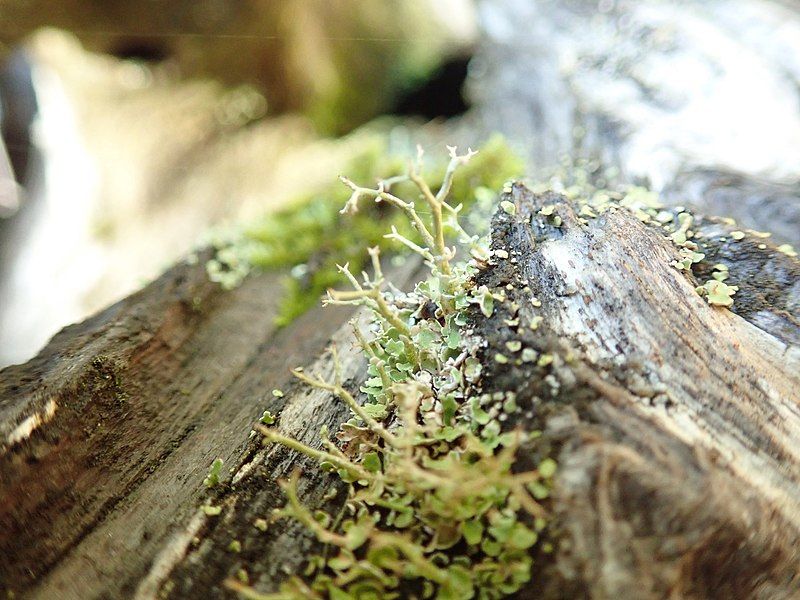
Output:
x,y
675,424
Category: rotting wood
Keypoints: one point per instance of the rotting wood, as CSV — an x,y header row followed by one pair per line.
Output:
x,y
676,423
146,395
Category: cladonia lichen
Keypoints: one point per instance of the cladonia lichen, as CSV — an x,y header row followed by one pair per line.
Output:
x,y
435,507
311,236
676,223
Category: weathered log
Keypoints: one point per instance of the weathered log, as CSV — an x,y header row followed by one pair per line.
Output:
x,y
92,426
675,423
678,422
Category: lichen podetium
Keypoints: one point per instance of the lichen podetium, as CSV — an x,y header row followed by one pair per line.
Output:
x,y
435,506
311,236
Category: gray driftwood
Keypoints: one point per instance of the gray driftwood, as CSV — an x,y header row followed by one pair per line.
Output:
x,y
676,425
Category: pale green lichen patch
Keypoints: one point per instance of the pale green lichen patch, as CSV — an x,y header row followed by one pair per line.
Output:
x,y
547,210
214,472
688,258
261,524
720,272
717,292
676,223
436,507
485,300
508,207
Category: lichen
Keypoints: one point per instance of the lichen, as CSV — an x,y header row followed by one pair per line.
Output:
x,y
675,223
311,236
435,505
717,292
214,471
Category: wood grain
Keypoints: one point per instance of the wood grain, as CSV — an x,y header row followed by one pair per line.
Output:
x,y
678,423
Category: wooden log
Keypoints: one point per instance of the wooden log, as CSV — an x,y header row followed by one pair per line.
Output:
x,y
675,423
107,434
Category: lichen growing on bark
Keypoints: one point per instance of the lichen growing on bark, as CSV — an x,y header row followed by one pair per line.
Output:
x,y
438,504
435,507
311,237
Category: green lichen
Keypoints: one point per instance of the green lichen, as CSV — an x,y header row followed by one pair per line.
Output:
x,y
261,524
676,223
214,472
720,272
508,207
436,507
312,236
717,292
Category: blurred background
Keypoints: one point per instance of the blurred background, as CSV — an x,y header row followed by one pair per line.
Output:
x,y
131,128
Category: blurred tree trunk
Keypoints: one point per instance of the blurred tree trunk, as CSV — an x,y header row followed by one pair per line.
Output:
x,y
698,99
675,424
339,66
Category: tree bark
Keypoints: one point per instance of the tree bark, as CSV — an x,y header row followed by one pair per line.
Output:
x,y
675,424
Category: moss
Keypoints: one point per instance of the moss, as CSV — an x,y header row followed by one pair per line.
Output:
x,y
311,236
